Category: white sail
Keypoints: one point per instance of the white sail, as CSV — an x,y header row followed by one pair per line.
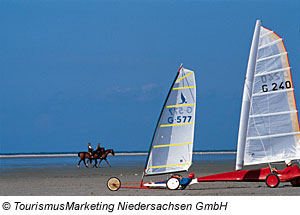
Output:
x,y
272,132
172,145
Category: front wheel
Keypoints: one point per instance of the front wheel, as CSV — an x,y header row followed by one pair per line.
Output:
x,y
173,184
272,180
113,184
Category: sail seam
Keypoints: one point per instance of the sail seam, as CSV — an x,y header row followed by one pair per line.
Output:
x,y
286,69
190,123
176,144
277,91
274,114
272,56
172,165
273,135
184,76
170,106
179,88
271,43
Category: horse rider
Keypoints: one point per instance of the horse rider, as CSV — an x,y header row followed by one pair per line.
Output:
x,y
90,149
98,147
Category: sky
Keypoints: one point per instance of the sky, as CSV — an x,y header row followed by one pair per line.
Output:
x,y
73,72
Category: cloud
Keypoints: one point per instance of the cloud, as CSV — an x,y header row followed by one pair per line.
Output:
x,y
144,92
149,87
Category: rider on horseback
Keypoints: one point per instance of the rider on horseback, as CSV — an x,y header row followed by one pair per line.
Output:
x,y
90,149
98,147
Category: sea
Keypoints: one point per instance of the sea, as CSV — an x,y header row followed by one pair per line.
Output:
x,y
121,159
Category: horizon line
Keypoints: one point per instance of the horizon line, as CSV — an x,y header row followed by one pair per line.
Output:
x,y
73,154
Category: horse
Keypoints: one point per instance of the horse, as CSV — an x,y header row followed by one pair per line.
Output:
x,y
96,155
104,155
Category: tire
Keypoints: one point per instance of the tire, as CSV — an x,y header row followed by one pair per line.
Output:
x,y
173,184
113,184
272,180
295,182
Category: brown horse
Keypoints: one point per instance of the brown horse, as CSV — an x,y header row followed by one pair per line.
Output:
x,y
98,154
87,155
104,155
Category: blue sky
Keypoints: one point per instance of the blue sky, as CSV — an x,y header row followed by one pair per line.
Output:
x,y
83,71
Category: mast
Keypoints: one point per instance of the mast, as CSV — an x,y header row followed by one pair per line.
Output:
x,y
158,122
247,97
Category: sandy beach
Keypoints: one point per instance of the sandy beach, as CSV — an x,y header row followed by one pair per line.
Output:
x,y
68,180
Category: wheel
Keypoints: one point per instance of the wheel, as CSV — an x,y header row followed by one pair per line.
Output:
x,y
113,184
173,183
295,182
272,180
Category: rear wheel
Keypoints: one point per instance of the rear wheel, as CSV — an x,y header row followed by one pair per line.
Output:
x,y
296,182
113,184
272,180
173,184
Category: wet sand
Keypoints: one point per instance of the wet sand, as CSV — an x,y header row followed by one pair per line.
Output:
x,y
71,181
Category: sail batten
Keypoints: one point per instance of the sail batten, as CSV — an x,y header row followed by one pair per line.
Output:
x,y
270,57
172,145
270,44
286,69
266,34
172,165
179,88
274,135
168,145
272,132
170,106
274,114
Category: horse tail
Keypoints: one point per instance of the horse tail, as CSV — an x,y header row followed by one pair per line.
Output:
x,y
112,152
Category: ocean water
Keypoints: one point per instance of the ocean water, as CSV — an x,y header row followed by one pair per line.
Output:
x,y
115,161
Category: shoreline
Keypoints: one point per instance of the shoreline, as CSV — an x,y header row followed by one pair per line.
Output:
x,y
7,156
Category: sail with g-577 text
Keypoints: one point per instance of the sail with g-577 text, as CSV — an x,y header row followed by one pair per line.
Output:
x,y
172,145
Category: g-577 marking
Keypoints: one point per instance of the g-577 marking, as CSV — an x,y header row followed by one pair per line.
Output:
x,y
180,110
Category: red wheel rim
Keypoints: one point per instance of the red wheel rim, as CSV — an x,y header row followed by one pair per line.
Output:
x,y
272,180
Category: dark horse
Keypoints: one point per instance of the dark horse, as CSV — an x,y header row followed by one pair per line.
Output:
x,y
98,154
104,155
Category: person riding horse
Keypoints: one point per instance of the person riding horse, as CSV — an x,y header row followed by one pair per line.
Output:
x,y
100,153
90,150
98,147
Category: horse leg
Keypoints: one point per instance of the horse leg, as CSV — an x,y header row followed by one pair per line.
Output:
x,y
78,165
95,165
92,165
86,163
107,163
91,161
100,162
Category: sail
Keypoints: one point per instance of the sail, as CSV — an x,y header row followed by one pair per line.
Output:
x,y
272,133
172,145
